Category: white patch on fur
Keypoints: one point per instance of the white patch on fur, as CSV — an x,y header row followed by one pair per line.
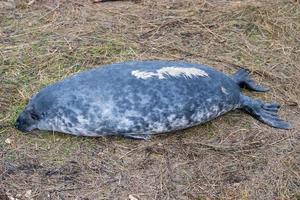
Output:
x,y
170,71
215,108
171,117
179,123
224,90
143,75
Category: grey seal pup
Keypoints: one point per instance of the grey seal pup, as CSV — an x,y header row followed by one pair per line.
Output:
x,y
140,98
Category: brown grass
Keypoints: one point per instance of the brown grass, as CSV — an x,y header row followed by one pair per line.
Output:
x,y
232,157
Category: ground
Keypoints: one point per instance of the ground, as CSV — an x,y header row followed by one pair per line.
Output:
x,y
231,157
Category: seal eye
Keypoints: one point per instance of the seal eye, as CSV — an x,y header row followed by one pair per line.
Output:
x,y
34,116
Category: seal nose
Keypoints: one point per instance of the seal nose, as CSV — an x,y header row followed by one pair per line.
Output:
x,y
20,125
17,125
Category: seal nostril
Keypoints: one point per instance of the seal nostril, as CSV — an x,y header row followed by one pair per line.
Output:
x,y
17,125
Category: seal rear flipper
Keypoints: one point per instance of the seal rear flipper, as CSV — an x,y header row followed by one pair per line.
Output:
x,y
264,112
242,78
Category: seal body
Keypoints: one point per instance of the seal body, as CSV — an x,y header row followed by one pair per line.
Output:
x,y
137,99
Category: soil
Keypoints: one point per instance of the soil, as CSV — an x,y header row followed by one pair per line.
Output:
x,y
231,157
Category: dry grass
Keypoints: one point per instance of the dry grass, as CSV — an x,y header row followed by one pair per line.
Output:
x,y
232,157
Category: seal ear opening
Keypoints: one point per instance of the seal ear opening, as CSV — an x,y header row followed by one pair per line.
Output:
x,y
242,78
264,112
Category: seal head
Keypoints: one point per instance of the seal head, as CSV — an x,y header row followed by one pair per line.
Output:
x,y
28,120
34,114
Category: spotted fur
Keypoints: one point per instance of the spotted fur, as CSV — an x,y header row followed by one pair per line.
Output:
x,y
138,99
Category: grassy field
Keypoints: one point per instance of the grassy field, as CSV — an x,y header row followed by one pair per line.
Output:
x,y
232,157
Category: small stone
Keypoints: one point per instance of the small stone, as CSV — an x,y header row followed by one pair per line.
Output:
x,y
10,197
8,141
131,197
31,2
28,193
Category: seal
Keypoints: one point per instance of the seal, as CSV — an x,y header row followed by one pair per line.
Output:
x,y
140,98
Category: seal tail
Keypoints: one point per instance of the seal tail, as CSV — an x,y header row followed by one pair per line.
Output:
x,y
264,112
242,78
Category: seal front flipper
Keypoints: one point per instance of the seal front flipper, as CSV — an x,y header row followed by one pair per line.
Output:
x,y
242,78
264,112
